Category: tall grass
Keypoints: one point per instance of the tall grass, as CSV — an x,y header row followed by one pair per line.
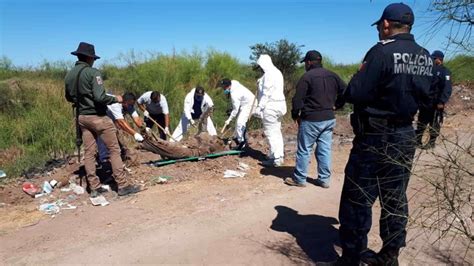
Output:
x,y
37,123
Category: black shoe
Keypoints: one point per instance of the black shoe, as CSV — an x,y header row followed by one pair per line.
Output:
x,y
98,192
130,189
387,257
240,145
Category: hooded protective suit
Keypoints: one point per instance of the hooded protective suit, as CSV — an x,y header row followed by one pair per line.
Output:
x,y
187,116
271,106
242,101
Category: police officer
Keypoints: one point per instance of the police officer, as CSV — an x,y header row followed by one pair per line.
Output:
x,y
440,92
84,88
394,77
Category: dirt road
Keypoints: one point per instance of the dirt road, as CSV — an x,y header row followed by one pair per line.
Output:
x,y
252,220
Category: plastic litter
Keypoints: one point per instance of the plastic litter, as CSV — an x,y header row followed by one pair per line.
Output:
x,y
99,201
233,174
53,183
30,189
159,179
49,208
3,174
77,189
47,188
243,166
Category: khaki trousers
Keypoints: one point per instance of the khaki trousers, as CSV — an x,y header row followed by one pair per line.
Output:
x,y
92,127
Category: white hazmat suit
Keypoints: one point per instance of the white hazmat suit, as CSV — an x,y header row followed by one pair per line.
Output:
x,y
271,107
242,101
186,118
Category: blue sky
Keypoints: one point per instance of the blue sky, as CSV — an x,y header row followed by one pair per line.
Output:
x,y
37,30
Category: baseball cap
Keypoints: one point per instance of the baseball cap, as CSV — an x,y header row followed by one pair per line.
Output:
x,y
397,12
225,83
437,54
312,55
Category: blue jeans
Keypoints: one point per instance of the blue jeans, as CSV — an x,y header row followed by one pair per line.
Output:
x,y
310,133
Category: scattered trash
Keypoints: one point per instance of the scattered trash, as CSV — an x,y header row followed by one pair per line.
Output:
x,y
47,188
243,166
466,98
53,183
30,189
40,195
77,189
106,187
159,179
69,207
233,174
71,198
49,208
99,201
66,189
2,174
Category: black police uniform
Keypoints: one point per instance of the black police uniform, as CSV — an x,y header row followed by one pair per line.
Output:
x,y
386,92
430,115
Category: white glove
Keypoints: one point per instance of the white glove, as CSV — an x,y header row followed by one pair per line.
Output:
x,y
192,122
258,112
167,130
147,130
138,137
146,114
227,122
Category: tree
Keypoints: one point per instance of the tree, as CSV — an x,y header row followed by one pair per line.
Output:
x,y
285,56
458,17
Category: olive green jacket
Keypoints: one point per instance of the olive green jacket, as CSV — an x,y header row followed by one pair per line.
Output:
x,y
92,97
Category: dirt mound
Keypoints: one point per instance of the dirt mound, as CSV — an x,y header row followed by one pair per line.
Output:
x,y
462,99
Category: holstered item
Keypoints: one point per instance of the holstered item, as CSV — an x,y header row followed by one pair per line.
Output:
x,y
357,124
76,107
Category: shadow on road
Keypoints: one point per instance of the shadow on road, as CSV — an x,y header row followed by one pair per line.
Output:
x,y
315,235
280,172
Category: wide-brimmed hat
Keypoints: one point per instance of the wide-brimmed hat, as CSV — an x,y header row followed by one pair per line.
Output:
x,y
86,49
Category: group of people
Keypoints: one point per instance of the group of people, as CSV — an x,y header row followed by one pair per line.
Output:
x,y
397,79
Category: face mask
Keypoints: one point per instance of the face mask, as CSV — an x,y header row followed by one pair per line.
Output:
x,y
198,98
226,91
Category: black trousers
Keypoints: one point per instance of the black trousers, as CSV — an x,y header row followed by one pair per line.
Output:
x,y
379,166
160,119
431,117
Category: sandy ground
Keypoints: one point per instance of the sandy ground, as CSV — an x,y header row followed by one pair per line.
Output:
x,y
199,217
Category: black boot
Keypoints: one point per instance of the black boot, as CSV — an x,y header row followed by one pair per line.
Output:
x,y
386,257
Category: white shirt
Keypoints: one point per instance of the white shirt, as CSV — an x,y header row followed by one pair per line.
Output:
x,y
116,111
154,108
240,96
189,102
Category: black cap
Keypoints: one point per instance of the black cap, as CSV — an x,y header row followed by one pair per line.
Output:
x,y
225,83
312,55
397,12
86,49
199,90
437,54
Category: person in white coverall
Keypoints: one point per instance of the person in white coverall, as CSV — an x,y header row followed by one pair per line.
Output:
x,y
242,101
271,108
196,103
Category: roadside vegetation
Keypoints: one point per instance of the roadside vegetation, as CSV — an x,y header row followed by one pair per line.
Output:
x,y
37,123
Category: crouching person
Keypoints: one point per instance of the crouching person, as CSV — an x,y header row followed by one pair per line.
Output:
x,y
117,112
242,101
84,88
196,104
